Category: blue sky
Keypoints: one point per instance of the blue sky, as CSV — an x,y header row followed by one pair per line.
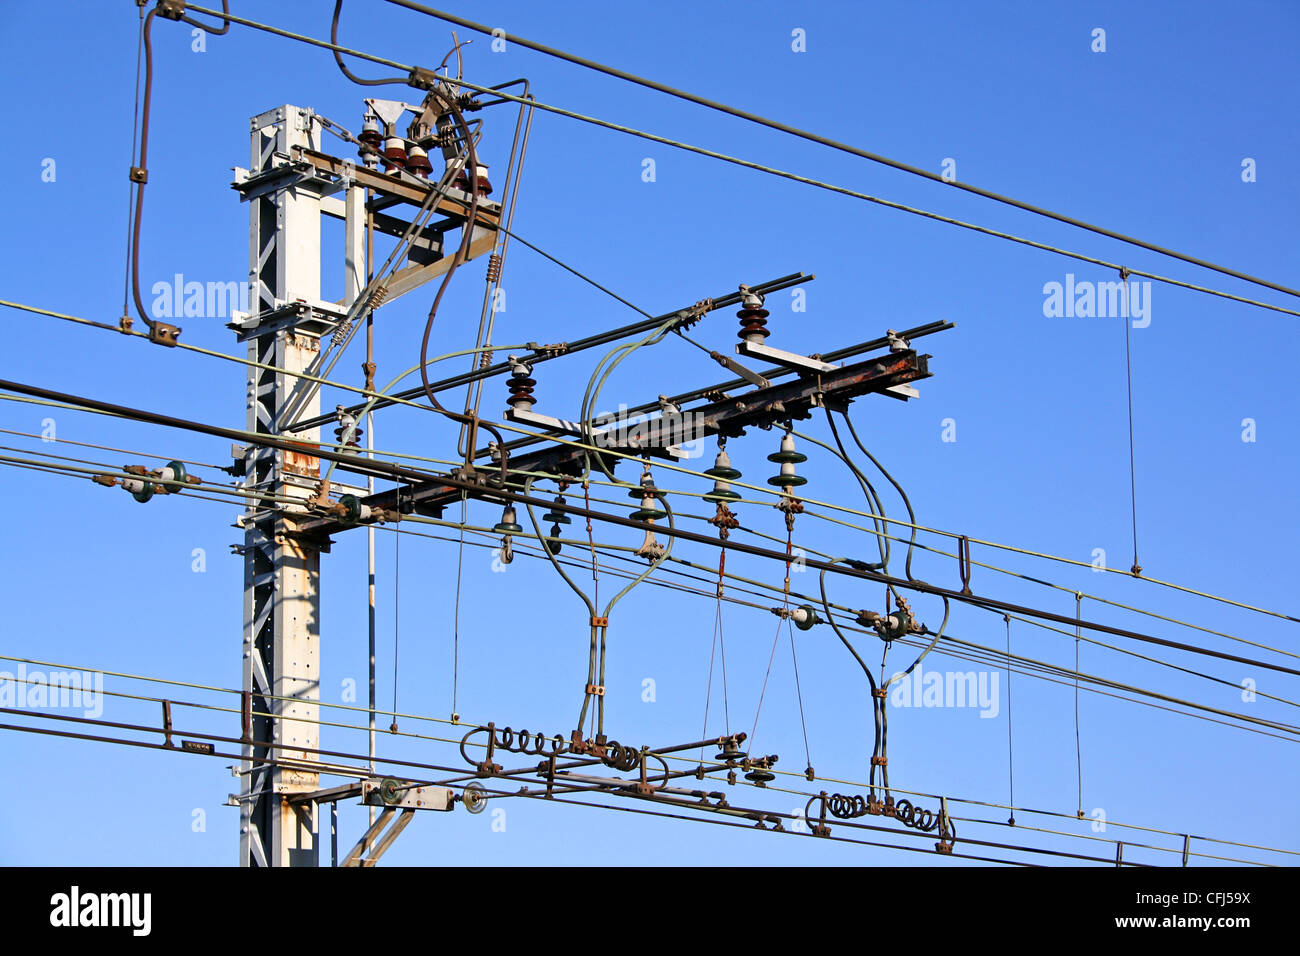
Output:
x,y
1147,137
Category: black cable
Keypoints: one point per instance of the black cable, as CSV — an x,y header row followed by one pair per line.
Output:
x,y
834,144
782,173
911,514
874,502
404,473
460,256
1078,749
397,606
131,186
225,22
142,164
1132,459
1011,764
338,57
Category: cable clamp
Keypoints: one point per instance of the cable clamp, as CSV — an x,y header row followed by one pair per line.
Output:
x,y
879,761
597,689
160,333
552,350
963,563
599,621
139,174
422,79
171,9
857,565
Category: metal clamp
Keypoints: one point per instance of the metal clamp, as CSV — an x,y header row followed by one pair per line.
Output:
x,y
160,333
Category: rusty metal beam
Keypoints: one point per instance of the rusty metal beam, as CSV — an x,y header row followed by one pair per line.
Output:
x,y
786,400
395,187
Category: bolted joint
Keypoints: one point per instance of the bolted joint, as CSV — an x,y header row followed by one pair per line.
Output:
x,y
160,333
422,79
892,626
805,617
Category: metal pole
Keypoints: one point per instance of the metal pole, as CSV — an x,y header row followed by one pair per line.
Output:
x,y
370,571
281,652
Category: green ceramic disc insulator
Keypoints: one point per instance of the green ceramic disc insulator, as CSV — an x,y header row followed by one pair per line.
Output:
x,y
722,496
179,474
353,505
810,620
781,457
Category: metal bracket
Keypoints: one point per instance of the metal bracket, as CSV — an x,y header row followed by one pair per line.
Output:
x,y
367,852
160,333
390,792
422,79
792,360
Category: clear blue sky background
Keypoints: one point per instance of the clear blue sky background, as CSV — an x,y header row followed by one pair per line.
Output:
x,y
1147,137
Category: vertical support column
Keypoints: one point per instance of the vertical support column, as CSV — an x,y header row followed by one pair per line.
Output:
x,y
355,279
281,666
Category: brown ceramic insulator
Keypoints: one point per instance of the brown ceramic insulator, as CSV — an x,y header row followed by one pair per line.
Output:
x,y
417,161
521,391
371,145
484,186
394,154
753,322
